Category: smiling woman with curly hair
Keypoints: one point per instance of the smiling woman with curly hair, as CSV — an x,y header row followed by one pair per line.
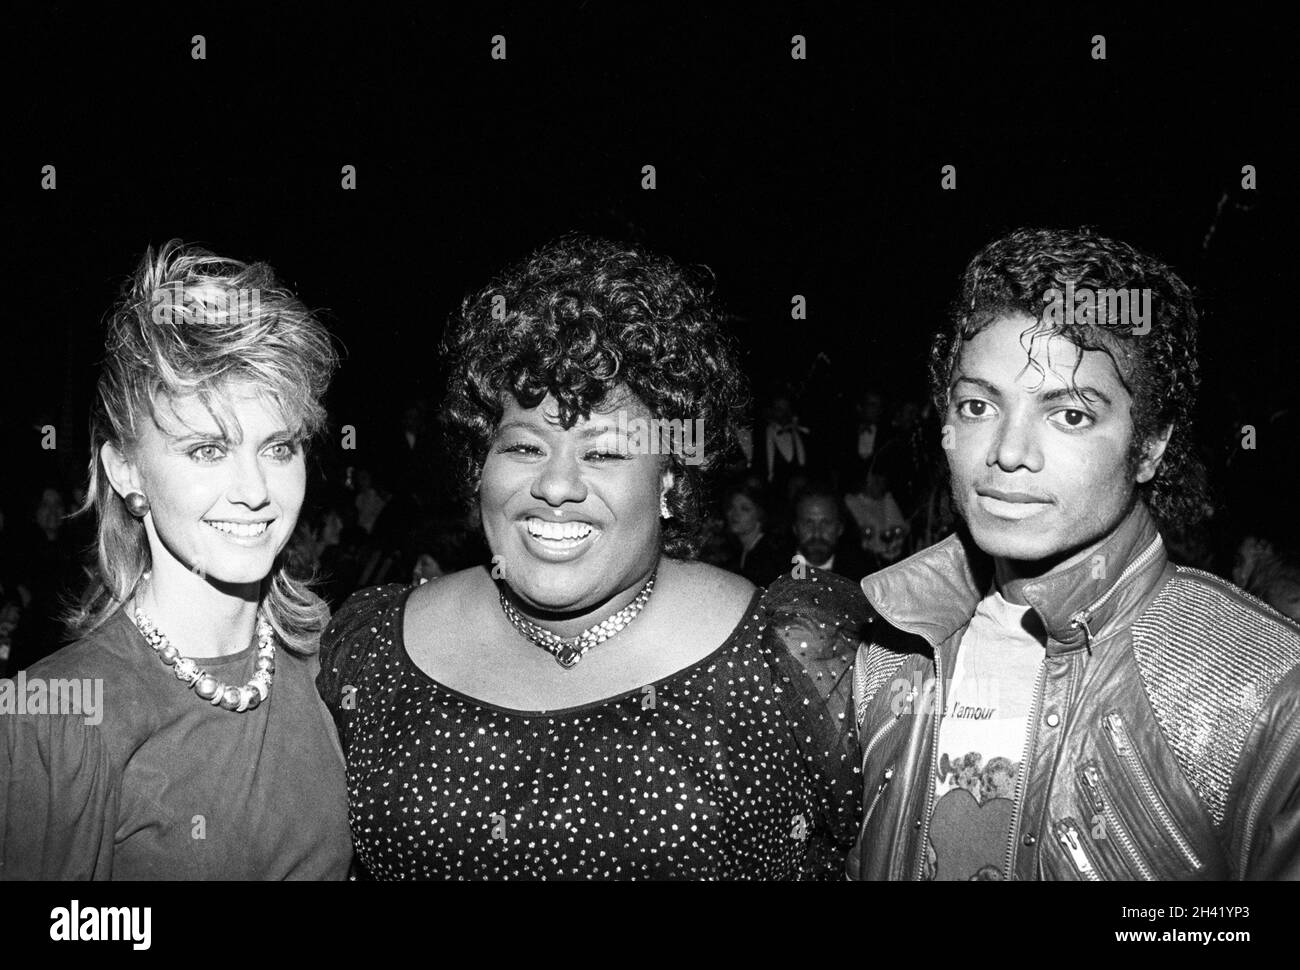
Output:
x,y
594,704
584,321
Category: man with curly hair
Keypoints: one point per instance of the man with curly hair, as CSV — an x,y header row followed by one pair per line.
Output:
x,y
1145,715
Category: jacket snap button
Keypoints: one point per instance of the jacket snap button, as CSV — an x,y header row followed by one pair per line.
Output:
x,y
917,825
1053,719
1029,838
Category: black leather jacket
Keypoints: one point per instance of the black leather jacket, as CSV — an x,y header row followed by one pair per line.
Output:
x,y
1165,723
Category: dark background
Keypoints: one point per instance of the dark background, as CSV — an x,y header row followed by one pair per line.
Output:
x,y
818,177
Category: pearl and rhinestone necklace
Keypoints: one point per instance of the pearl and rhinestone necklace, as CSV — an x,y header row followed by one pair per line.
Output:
x,y
567,651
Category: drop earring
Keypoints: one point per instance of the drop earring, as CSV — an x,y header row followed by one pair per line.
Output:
x,y
664,511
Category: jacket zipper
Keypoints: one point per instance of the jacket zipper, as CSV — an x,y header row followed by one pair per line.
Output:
x,y
1022,780
1123,744
1274,766
1092,782
1081,617
889,774
875,739
1067,833
884,729
919,871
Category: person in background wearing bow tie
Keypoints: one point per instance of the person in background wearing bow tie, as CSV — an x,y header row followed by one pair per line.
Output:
x,y
786,448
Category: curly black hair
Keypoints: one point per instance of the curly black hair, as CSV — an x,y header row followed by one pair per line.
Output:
x,y
584,319
1159,368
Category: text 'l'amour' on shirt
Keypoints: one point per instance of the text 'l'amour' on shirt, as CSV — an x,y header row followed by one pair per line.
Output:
x,y
981,742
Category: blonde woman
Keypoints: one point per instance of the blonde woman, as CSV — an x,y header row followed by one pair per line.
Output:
x,y
211,756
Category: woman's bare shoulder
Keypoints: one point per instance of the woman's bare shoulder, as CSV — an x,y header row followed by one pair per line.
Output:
x,y
441,597
721,592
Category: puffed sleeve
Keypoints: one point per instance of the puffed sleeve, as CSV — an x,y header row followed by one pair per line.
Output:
x,y
347,646
818,623
59,795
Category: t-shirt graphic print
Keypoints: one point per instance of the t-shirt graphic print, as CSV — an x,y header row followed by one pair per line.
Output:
x,y
981,743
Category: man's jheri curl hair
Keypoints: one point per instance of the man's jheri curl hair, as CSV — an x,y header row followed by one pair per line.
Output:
x,y
581,319
1159,368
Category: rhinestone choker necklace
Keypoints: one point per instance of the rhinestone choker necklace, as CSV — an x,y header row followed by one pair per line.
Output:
x,y
567,651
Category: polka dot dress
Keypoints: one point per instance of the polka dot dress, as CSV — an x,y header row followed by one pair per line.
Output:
x,y
741,766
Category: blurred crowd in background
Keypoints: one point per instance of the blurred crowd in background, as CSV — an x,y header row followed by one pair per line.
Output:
x,y
849,482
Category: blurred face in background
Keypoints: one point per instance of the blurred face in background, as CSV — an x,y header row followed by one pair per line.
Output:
x,y
413,418
1039,463
571,515
220,508
743,516
781,410
909,412
50,511
871,407
1250,552
817,527
332,528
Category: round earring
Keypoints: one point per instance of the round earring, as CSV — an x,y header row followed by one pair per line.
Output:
x,y
137,504
664,511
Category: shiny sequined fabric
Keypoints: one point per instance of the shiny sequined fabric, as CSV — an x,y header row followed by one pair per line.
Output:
x,y
741,766
1206,699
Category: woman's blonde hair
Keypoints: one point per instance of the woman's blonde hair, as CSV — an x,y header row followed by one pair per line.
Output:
x,y
191,322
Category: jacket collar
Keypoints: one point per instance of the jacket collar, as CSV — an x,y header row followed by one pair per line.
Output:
x,y
933,593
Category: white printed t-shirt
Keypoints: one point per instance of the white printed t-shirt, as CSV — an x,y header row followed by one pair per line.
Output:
x,y
981,742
